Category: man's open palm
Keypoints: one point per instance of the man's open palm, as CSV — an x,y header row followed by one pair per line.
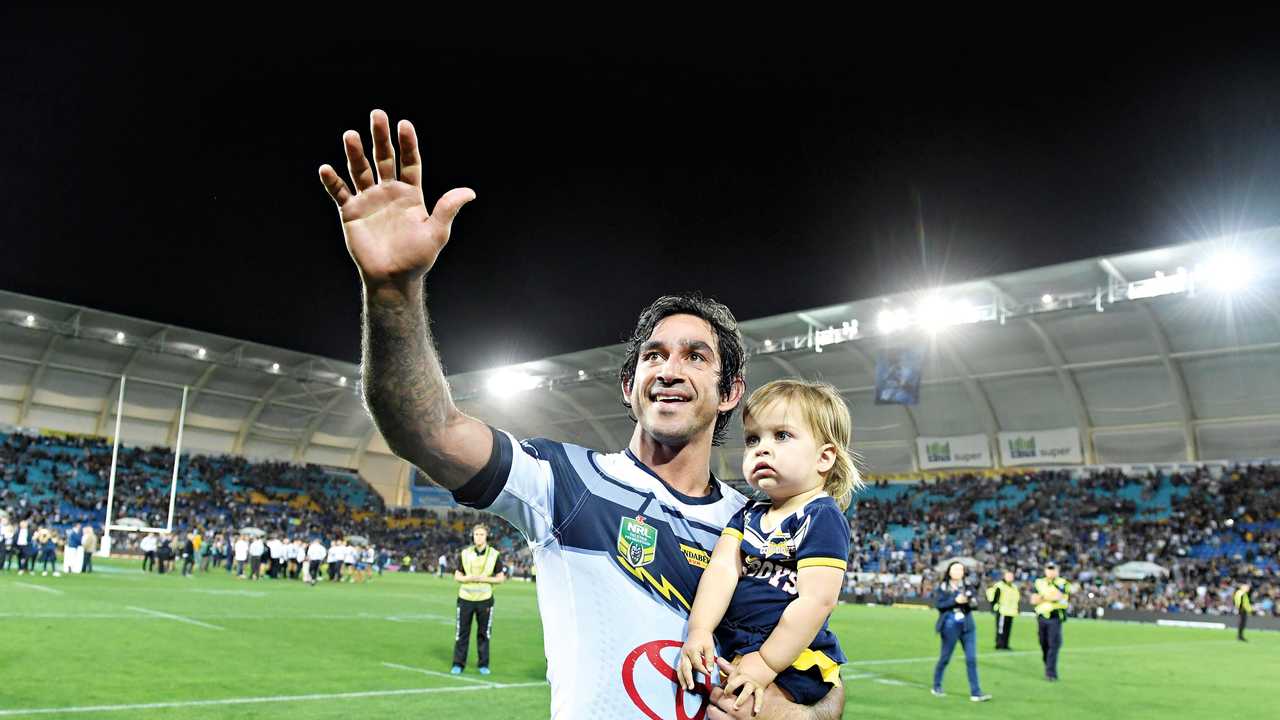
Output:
x,y
389,232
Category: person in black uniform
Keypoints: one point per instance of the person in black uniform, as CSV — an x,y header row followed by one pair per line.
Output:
x,y
188,555
164,554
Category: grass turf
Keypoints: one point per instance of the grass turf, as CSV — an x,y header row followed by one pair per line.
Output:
x,y
112,643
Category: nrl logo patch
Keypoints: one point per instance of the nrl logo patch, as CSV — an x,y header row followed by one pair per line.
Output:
x,y
637,542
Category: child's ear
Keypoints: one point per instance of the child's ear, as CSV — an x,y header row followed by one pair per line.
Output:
x,y
826,458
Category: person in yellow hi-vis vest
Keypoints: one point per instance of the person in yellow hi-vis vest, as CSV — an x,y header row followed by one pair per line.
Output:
x,y
1051,597
479,569
1244,607
1004,597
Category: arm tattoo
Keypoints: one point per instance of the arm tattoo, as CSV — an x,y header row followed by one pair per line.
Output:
x,y
404,384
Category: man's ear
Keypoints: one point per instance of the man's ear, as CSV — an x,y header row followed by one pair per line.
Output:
x,y
736,391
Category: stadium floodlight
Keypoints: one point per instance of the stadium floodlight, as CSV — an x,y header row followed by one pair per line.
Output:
x,y
1047,299
1158,285
200,353
119,336
891,321
935,313
30,321
510,382
1226,272
582,374
275,367
342,381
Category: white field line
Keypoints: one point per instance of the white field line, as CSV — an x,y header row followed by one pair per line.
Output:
x,y
255,700
362,617
177,618
1016,653
39,587
436,673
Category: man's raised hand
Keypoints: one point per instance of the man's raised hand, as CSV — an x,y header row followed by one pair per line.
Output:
x,y
390,235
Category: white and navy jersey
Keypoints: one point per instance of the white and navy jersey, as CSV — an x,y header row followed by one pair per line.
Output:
x,y
815,535
619,556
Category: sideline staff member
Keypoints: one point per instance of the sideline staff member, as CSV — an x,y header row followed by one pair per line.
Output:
x,y
1051,597
479,569
1004,597
1244,607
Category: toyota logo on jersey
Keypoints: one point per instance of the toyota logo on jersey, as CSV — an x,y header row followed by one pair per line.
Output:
x,y
646,664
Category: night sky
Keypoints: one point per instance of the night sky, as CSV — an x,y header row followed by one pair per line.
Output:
x,y
169,173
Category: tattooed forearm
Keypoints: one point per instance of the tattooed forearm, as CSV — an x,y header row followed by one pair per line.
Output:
x,y
404,384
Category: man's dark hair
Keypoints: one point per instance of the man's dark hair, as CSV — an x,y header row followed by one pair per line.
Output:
x,y
728,344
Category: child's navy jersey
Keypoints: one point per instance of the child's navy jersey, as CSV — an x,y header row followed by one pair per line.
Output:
x,y
816,535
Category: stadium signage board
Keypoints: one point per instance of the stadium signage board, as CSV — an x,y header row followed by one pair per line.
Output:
x,y
1041,447
962,451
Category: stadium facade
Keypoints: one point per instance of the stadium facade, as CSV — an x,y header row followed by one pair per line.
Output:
x,y
1164,356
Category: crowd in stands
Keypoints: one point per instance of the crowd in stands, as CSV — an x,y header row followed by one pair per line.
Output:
x,y
54,482
1211,528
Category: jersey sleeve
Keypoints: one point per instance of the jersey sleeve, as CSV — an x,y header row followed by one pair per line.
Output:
x,y
825,542
736,523
530,484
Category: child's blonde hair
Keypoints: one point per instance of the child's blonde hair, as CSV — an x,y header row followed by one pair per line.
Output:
x,y
827,416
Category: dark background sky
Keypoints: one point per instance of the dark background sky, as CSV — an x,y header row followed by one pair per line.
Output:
x,y
166,167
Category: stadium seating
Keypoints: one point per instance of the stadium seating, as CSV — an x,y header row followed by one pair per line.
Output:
x,y
1209,528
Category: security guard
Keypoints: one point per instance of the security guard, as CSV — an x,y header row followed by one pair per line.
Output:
x,y
479,569
1244,607
1051,596
1004,597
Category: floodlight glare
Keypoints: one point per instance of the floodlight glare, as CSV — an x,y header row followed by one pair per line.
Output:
x,y
510,382
936,313
1227,272
891,321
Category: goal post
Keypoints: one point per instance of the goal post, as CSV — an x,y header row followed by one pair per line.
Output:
x,y
110,523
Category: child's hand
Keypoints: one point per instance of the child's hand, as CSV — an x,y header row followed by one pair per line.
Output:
x,y
752,675
698,653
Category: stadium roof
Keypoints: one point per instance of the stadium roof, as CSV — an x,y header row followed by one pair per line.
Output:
x,y
1149,368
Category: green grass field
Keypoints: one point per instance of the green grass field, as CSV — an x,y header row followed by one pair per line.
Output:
x,y
119,643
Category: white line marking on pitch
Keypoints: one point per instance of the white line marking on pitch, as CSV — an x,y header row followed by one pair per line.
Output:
x,y
179,618
269,699
361,617
1017,653
244,593
39,587
436,673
